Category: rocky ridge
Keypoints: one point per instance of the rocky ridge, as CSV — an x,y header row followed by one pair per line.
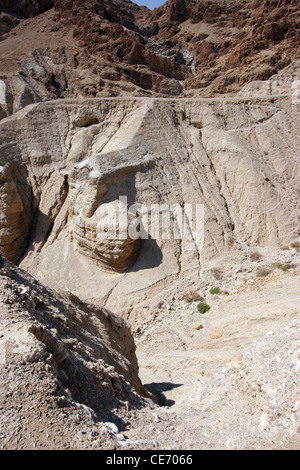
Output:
x,y
101,48
66,367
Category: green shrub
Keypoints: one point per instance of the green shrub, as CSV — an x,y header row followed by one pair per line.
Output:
x,y
263,272
215,290
183,114
283,267
203,307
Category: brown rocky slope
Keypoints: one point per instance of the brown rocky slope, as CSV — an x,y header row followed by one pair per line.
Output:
x,y
103,48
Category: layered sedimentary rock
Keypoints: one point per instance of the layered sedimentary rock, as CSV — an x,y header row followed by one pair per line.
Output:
x,y
73,361
16,215
142,154
73,160
116,48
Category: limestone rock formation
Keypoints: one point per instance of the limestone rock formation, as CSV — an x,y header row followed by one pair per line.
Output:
x,y
77,358
226,42
143,155
16,215
79,157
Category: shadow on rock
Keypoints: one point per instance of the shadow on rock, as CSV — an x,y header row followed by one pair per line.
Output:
x,y
150,256
158,389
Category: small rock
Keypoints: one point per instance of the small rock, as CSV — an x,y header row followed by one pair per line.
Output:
x,y
112,427
89,411
296,366
235,364
127,405
123,420
156,418
255,387
217,334
264,421
270,391
155,443
22,290
296,406
198,327
197,297
229,443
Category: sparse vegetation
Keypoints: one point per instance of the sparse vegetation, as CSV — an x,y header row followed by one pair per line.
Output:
x,y
183,114
215,290
263,271
283,267
295,244
192,297
255,256
217,273
203,307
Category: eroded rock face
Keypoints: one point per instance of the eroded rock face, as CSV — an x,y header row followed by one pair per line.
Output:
x,y
230,39
37,205
116,48
7,22
109,252
25,8
65,354
81,157
15,211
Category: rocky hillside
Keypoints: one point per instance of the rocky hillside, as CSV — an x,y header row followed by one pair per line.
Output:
x,y
231,43
66,366
112,48
228,379
194,104
66,161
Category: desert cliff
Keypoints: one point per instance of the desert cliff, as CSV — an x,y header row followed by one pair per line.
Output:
x,y
185,120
